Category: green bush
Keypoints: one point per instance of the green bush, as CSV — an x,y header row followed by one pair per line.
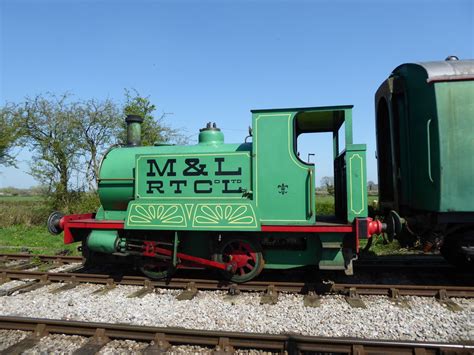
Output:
x,y
28,212
87,202
325,209
74,202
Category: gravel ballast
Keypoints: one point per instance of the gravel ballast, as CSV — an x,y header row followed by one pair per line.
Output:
x,y
57,342
10,337
426,320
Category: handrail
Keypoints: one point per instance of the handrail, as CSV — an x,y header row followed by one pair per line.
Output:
x,y
428,123
311,197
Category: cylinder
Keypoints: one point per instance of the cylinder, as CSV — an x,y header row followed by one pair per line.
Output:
x,y
103,241
134,130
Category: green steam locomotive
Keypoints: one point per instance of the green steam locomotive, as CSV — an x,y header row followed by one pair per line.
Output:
x,y
240,208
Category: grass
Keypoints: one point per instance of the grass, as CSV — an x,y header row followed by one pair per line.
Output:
x,y
21,199
330,199
380,247
325,204
23,224
23,211
34,239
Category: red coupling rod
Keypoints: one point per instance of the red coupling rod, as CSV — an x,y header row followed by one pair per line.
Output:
x,y
150,249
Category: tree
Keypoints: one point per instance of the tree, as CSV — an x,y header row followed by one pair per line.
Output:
x,y
99,125
153,130
328,183
10,132
52,136
67,138
370,185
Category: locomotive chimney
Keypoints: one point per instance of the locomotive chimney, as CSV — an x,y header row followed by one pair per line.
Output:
x,y
134,130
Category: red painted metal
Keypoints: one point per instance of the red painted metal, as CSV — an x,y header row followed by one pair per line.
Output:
x,y
84,221
150,249
345,228
95,224
362,228
375,227
242,255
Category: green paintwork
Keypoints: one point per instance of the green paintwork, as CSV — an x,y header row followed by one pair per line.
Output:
x,y
356,181
211,136
277,165
103,241
434,140
281,178
331,257
423,194
455,104
192,214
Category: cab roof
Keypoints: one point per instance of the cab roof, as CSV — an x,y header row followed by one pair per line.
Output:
x,y
315,119
446,70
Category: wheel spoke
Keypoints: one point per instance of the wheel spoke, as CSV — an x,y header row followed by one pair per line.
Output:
x,y
248,261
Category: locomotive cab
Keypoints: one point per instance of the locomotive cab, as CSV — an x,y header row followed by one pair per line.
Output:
x,y
283,180
289,171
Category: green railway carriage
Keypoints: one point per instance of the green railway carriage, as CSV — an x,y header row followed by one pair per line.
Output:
x,y
235,207
425,144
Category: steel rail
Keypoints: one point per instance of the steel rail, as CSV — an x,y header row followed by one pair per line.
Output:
x,y
379,263
226,341
426,262
44,258
201,284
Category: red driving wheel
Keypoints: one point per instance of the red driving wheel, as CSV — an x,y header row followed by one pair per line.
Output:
x,y
246,255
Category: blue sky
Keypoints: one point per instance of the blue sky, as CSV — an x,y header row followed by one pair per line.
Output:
x,y
215,60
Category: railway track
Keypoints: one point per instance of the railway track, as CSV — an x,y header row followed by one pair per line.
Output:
x,y
190,287
35,279
389,261
422,261
61,259
222,342
43,262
